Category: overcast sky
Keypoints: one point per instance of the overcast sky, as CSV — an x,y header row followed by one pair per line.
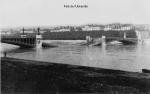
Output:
x,y
51,12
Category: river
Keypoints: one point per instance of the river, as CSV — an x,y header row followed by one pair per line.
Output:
x,y
112,56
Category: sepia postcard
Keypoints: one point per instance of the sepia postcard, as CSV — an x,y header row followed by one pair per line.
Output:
x,y
75,46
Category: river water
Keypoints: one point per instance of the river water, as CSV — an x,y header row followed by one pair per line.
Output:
x,y
110,56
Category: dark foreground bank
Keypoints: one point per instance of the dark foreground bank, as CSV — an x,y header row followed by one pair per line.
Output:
x,y
36,77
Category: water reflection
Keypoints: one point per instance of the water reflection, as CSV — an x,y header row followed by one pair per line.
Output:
x,y
122,57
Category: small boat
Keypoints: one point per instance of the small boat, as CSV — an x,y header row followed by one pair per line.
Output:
x,y
48,45
115,42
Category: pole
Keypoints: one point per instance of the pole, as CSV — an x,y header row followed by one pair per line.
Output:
x,y
5,52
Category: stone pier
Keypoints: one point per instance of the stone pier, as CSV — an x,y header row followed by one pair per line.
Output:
x,y
38,39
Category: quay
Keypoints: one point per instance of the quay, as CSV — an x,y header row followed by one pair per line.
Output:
x,y
21,76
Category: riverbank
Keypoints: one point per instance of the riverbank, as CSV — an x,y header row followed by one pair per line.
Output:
x,y
36,77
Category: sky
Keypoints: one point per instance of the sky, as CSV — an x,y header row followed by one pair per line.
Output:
x,y
14,13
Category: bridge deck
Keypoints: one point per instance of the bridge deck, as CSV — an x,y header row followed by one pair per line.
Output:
x,y
31,41
22,42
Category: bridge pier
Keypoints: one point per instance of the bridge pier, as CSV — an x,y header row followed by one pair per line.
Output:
x,y
96,41
124,35
88,39
103,39
38,39
139,37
